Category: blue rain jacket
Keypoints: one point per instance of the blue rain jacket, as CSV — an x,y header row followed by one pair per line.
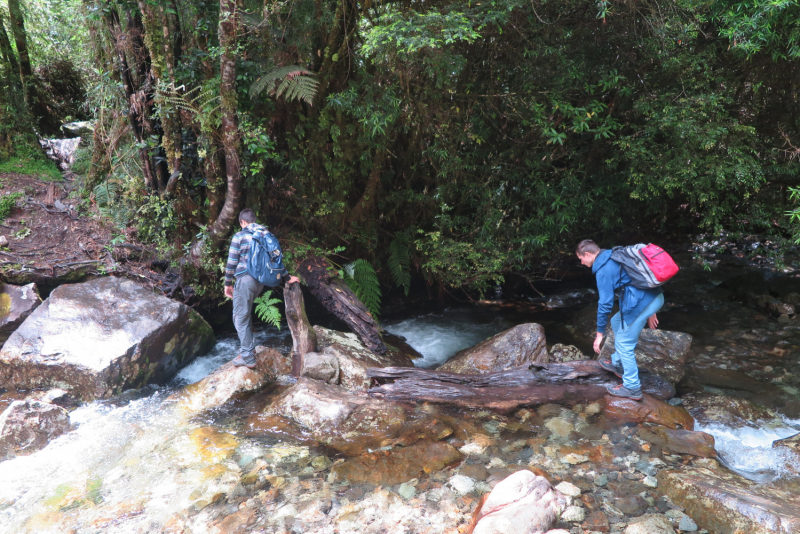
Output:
x,y
611,276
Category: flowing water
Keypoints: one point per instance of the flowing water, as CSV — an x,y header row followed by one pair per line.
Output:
x,y
133,463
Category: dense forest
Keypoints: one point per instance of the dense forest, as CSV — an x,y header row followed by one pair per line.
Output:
x,y
455,142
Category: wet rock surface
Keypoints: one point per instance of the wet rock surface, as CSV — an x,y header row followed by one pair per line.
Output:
x,y
649,410
566,353
721,501
680,441
353,358
522,503
349,423
27,426
515,347
102,337
16,304
708,408
229,380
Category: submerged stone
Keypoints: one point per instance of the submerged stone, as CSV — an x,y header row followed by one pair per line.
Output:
x,y
680,441
398,465
101,337
515,347
648,410
27,426
650,524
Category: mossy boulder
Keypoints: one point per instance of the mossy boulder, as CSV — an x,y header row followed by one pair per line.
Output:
x,y
101,337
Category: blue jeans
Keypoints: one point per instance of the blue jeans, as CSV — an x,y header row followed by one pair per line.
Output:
x,y
626,336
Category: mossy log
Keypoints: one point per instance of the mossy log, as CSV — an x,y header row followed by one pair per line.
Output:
x,y
539,383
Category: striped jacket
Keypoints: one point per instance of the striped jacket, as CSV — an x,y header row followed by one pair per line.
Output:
x,y
239,253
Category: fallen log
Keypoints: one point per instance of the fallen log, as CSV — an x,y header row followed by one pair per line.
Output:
x,y
578,381
304,338
340,300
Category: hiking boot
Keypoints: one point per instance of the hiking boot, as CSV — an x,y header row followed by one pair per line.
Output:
x,y
621,391
609,366
244,362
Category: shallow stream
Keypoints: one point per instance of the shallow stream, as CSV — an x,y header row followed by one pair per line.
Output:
x,y
137,463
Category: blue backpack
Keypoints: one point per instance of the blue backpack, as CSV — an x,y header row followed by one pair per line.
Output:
x,y
265,263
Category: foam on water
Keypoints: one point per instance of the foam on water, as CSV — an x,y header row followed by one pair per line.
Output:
x,y
438,336
749,451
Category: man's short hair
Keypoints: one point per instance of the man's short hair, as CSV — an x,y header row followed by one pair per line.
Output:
x,y
586,246
247,216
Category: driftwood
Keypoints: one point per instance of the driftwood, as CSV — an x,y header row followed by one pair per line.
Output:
x,y
578,381
340,300
304,338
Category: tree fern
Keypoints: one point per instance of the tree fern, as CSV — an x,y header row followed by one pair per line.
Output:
x,y
400,261
293,83
267,311
363,280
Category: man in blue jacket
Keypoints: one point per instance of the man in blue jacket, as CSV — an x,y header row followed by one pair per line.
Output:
x,y
637,308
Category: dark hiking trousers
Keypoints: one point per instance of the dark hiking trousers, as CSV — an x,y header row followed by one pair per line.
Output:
x,y
245,290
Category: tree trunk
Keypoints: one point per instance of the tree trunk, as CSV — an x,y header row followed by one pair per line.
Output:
x,y
21,40
340,300
579,381
304,338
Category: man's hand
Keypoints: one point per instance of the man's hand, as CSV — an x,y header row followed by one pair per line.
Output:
x,y
597,341
229,291
652,321
292,280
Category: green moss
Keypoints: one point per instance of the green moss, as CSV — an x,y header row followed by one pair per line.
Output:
x,y
31,165
5,304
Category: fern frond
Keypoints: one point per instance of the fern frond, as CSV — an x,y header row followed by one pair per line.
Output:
x,y
400,261
294,83
267,311
106,192
363,280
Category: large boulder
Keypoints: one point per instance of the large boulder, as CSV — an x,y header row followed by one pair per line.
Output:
x,y
660,351
515,347
522,503
349,423
229,380
101,337
351,357
16,304
724,502
28,425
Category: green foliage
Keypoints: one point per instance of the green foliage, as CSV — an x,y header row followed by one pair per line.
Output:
x,y
7,203
293,83
360,276
400,261
407,33
28,159
267,310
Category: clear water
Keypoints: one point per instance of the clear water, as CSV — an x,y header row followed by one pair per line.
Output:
x,y
438,336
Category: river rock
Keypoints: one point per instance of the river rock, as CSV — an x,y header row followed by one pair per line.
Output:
x,y
707,408
321,366
101,337
650,524
349,423
27,426
566,353
399,465
16,304
740,385
648,410
659,351
228,380
722,501
680,441
354,358
522,503
515,347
